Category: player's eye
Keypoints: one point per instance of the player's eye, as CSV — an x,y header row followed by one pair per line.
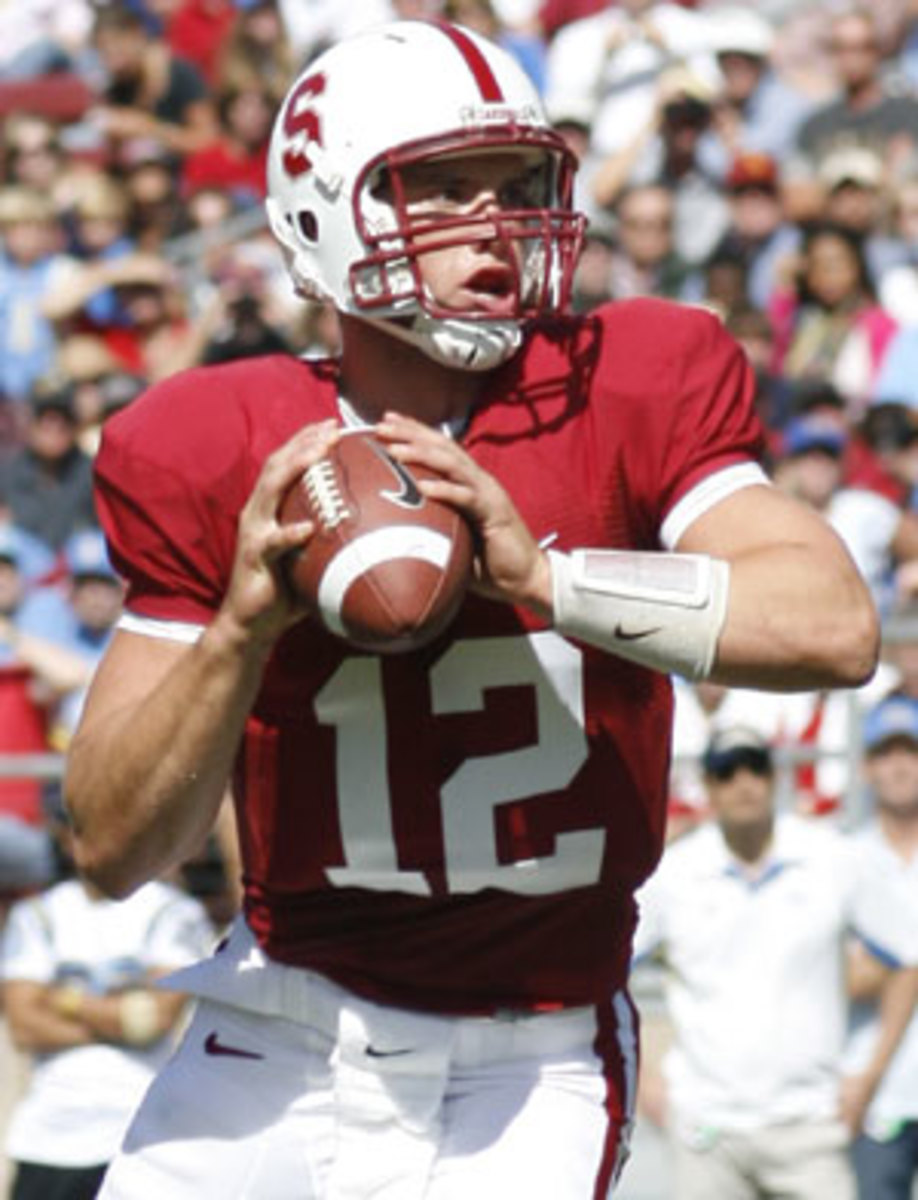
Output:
x,y
453,188
441,191
527,190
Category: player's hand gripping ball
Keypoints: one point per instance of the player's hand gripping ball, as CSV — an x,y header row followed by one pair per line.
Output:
x,y
387,567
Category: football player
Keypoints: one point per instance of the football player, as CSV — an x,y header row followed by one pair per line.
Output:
x,y
425,994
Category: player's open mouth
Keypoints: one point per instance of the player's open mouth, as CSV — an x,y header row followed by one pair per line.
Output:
x,y
493,290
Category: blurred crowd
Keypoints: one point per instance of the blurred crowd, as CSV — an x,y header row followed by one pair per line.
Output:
x,y
761,160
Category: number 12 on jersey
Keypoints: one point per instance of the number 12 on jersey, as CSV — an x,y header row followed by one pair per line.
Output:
x,y
352,702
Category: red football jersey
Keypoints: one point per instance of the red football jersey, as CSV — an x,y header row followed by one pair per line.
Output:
x,y
462,827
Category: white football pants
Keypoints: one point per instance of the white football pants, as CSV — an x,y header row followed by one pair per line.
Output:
x,y
359,1101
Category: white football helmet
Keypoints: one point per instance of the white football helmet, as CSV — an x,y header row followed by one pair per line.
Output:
x,y
405,93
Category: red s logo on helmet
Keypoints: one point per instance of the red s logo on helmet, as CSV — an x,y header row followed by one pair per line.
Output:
x,y
302,125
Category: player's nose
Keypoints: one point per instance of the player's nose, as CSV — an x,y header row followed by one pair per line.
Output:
x,y
491,233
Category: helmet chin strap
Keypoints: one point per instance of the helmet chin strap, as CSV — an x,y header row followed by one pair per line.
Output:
x,y
461,344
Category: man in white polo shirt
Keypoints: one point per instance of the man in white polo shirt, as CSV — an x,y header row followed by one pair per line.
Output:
x,y
886,1152
751,914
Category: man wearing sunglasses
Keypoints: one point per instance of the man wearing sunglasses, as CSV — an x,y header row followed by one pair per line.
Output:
x,y
751,915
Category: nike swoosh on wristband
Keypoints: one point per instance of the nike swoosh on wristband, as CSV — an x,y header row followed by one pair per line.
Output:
x,y
372,1052
213,1046
634,635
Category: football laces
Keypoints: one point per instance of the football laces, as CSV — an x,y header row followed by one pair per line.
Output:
x,y
325,494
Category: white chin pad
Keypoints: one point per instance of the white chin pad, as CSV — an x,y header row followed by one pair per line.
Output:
x,y
465,345
664,611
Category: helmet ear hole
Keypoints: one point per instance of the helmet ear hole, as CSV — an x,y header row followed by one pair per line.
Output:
x,y
308,225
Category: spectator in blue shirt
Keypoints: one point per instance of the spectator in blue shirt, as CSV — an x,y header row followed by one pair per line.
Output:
x,y
95,598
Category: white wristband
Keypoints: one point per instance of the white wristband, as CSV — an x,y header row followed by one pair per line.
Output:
x,y
664,611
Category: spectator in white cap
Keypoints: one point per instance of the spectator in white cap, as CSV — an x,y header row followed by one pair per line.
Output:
x,y
750,915
39,37
663,150
886,1152
33,265
856,197
607,66
313,25
759,111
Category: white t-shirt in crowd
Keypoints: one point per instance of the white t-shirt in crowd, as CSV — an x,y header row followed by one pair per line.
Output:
x,y
79,1101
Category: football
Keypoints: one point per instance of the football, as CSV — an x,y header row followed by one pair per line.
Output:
x,y
387,567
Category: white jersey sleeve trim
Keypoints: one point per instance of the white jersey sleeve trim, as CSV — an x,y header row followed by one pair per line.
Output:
x,y
705,495
172,631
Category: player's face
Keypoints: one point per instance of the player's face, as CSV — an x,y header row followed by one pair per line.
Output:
x,y
478,273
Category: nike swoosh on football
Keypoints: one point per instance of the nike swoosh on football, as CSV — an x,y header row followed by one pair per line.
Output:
x,y
634,635
213,1045
409,494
